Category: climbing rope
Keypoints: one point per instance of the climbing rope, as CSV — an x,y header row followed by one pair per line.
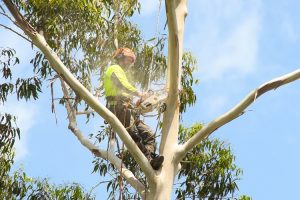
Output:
x,y
156,39
122,156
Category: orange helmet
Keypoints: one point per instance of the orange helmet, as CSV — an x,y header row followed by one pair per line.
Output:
x,y
124,52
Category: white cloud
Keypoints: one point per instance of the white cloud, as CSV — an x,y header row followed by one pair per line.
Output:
x,y
23,48
149,7
288,30
26,114
226,36
215,104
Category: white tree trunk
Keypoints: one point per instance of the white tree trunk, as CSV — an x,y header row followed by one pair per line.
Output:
x,y
176,13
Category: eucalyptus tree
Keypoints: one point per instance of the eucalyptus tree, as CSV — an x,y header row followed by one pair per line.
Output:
x,y
17,185
74,41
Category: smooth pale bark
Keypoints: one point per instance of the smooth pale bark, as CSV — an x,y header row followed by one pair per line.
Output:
x,y
176,13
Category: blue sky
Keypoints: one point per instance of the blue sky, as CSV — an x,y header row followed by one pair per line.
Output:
x,y
239,45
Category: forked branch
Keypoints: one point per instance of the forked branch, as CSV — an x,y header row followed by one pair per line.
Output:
x,y
236,111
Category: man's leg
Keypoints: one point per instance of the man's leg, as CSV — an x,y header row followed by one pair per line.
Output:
x,y
147,136
124,114
148,139
146,146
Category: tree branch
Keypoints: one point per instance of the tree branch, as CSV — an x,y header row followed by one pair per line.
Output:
x,y
85,112
20,20
39,41
236,111
176,13
107,155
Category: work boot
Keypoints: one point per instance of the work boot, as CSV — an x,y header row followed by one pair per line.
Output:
x,y
157,162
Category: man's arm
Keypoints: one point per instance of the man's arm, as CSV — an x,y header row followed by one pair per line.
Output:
x,y
120,80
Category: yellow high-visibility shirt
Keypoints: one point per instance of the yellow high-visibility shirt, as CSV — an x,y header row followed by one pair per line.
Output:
x,y
116,82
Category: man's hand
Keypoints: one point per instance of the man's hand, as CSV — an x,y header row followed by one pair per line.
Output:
x,y
138,102
142,98
141,94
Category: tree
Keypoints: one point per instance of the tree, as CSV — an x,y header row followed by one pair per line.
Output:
x,y
20,186
57,43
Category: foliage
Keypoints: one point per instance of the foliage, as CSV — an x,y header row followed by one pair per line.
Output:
x,y
25,88
8,132
208,171
244,197
187,94
83,34
151,63
106,169
17,185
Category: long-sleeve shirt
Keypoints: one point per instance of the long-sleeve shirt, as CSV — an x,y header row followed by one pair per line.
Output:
x,y
117,84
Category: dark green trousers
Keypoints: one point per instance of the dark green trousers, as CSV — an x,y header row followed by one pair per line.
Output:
x,y
140,132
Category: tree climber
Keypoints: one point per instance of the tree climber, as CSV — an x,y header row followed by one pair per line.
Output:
x,y
119,94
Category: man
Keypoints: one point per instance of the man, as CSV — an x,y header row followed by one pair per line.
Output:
x,y
119,93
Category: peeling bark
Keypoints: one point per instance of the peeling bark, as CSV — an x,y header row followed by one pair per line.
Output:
x,y
236,111
268,87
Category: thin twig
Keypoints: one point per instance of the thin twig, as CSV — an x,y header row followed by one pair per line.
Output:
x,y
15,32
85,112
7,16
156,39
2,9
94,187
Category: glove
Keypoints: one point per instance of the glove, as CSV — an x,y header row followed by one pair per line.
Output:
x,y
142,98
138,103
